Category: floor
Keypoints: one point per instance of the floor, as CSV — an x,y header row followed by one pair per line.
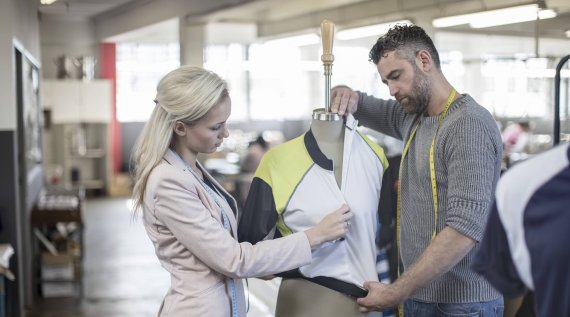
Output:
x,y
122,276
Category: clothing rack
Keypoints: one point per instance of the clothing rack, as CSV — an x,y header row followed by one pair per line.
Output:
x,y
557,100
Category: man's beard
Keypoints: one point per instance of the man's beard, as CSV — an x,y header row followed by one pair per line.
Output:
x,y
417,101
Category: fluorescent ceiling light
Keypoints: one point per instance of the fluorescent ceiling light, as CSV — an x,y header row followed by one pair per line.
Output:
x,y
367,31
47,2
298,40
495,17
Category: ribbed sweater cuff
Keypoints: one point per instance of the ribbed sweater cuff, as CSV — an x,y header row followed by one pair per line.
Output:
x,y
468,218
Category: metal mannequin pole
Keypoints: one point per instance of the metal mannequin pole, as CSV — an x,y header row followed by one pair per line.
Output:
x,y
327,36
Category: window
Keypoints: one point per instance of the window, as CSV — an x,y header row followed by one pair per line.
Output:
x,y
139,68
229,61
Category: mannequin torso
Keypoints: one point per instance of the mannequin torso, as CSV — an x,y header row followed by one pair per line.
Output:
x,y
330,138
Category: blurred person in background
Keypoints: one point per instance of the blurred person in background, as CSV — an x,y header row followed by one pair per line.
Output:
x,y
255,151
516,137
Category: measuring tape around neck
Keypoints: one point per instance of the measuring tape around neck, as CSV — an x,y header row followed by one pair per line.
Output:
x,y
432,178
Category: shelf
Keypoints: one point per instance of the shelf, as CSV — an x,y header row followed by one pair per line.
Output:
x,y
59,257
90,154
81,152
90,184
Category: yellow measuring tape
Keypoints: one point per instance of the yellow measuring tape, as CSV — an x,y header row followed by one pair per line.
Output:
x,y
432,176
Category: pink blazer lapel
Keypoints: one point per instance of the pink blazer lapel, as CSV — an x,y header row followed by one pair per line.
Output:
x,y
173,159
229,209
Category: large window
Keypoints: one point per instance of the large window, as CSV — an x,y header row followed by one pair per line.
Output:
x,y
230,62
139,68
283,82
516,88
270,81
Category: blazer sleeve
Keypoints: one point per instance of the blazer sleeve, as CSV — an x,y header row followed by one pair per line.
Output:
x,y
182,210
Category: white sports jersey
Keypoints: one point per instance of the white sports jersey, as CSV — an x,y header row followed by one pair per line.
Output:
x,y
526,241
295,187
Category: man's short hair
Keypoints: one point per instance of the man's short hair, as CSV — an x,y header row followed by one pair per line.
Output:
x,y
407,40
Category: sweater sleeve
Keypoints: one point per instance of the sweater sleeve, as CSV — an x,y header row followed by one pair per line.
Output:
x,y
471,156
384,116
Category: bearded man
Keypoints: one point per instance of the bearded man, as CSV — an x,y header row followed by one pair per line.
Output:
x,y
450,165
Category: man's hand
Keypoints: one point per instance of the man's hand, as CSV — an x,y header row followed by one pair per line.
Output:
x,y
344,100
380,297
443,253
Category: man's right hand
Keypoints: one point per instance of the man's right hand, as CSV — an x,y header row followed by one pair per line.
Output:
x,y
344,100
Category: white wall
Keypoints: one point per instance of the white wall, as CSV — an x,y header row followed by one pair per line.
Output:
x,y
18,24
73,38
18,21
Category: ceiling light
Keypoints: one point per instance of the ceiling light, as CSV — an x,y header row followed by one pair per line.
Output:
x,y
367,31
496,17
567,33
298,40
47,2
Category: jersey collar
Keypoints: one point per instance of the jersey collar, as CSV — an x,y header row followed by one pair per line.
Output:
x,y
313,148
316,154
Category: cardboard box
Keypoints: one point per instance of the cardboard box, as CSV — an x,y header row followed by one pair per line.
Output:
x,y
58,275
120,185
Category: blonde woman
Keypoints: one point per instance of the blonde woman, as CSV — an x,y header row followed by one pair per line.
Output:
x,y
190,218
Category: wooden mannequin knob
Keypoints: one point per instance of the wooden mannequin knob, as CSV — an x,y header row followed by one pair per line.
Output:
x,y
327,35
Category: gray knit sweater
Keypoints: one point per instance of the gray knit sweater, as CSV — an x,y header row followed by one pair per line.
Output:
x,y
468,152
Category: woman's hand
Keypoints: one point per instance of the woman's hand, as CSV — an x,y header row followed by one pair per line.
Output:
x,y
333,226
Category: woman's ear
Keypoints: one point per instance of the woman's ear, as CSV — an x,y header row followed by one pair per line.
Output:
x,y
180,128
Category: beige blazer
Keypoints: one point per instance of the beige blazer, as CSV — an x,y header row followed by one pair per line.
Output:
x,y
185,226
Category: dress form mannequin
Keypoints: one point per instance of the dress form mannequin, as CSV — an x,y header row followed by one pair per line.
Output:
x,y
299,297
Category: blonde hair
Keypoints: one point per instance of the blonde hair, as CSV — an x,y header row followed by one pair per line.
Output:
x,y
185,94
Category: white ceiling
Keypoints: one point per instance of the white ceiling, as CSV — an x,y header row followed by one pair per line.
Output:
x,y
280,16
81,9
161,32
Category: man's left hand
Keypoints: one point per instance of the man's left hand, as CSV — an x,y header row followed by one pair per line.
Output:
x,y
380,297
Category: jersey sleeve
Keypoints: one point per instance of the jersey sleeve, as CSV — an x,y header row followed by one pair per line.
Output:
x,y
387,206
259,216
494,260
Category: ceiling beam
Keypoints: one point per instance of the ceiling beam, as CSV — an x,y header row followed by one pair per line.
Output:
x,y
141,13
